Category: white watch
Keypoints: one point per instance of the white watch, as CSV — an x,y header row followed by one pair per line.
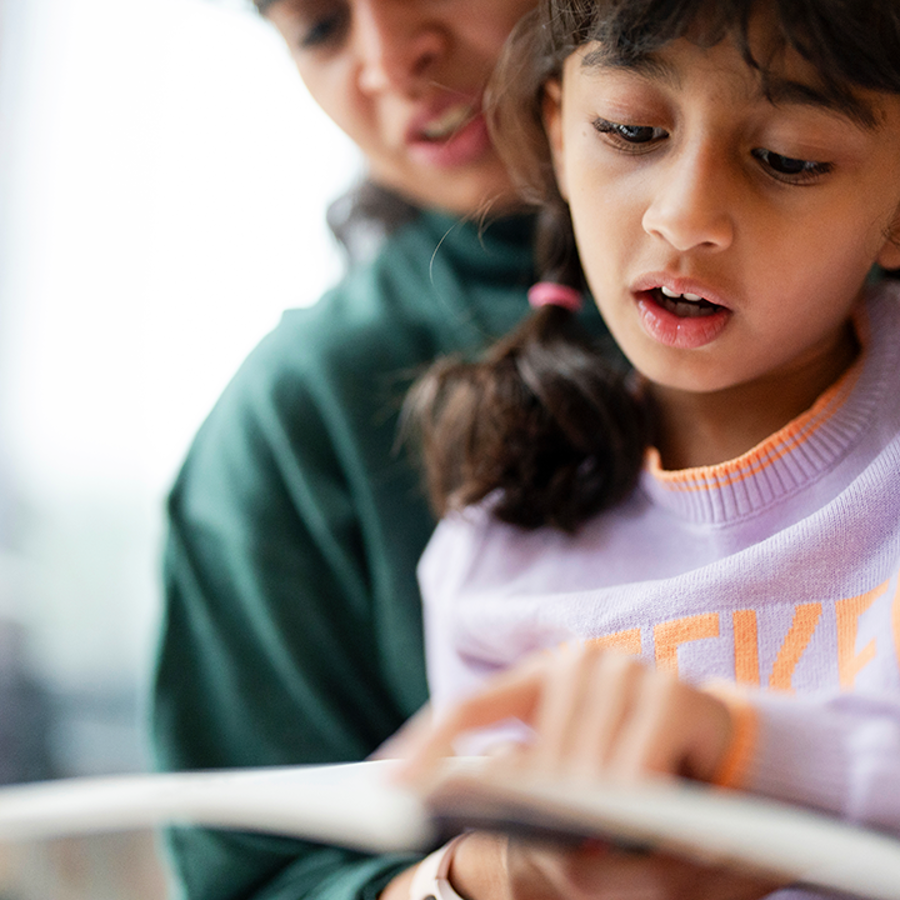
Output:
x,y
430,881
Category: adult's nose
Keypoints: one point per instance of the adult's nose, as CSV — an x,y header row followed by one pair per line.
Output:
x,y
691,206
399,44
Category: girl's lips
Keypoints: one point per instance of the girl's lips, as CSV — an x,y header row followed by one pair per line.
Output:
x,y
455,136
684,324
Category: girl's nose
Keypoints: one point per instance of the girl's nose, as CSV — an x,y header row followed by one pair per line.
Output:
x,y
397,43
690,207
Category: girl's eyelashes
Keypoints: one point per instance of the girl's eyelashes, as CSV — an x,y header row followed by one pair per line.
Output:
x,y
789,169
640,138
632,138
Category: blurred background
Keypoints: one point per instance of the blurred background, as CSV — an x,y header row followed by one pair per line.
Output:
x,y
163,182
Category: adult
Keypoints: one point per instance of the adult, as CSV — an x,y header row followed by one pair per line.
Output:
x,y
292,629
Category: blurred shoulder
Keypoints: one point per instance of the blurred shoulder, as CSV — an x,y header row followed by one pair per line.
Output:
x,y
437,284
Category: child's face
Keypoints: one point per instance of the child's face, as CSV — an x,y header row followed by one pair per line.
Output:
x,y
683,179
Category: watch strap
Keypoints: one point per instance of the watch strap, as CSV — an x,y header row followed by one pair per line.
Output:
x,y
430,881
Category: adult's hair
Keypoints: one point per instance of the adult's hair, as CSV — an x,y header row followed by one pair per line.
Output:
x,y
363,217
544,424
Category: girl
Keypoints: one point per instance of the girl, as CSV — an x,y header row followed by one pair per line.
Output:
x,y
730,173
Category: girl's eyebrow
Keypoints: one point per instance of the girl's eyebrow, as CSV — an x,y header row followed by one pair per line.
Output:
x,y
784,91
647,65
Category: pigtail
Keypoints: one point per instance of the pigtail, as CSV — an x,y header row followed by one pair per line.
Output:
x,y
544,422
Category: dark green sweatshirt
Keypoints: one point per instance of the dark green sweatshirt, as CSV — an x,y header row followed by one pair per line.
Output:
x,y
292,630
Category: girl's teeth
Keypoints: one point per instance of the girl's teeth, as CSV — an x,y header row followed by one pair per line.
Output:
x,y
686,306
694,298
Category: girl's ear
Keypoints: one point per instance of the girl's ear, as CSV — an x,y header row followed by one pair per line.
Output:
x,y
552,113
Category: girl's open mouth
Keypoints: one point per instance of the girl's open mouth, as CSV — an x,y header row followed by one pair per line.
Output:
x,y
683,321
684,306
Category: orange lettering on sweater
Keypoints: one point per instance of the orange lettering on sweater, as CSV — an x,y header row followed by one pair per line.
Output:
x,y
746,647
621,641
669,636
806,617
850,663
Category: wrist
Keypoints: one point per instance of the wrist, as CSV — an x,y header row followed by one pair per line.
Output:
x,y
478,869
470,867
431,879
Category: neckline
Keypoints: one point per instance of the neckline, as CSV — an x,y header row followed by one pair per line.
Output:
x,y
495,245
801,452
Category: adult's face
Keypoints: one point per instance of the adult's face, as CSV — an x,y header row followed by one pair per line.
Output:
x,y
405,80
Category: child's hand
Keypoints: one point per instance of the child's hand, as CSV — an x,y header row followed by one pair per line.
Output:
x,y
403,742
593,712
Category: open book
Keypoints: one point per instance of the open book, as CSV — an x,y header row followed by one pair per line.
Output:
x,y
359,806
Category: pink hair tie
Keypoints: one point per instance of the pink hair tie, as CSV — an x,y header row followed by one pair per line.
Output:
x,y
549,293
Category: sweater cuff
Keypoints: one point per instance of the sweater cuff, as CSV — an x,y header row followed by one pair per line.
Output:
x,y
800,755
734,767
784,747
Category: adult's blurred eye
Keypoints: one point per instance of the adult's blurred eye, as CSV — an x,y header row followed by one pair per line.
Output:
x,y
323,30
308,24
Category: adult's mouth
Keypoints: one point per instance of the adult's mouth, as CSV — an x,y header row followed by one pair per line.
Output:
x,y
453,134
447,123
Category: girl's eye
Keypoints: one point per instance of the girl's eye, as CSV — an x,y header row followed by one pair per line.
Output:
x,y
636,136
786,168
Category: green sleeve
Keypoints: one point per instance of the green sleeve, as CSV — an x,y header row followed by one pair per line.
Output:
x,y
292,626
275,649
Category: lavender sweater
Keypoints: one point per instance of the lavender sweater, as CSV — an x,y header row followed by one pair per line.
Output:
x,y
777,571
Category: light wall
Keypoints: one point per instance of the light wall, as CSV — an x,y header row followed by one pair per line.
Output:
x,y
164,178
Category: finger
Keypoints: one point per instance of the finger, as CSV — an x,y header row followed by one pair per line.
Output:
x,y
638,750
654,738
560,708
401,743
676,730
608,706
512,694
